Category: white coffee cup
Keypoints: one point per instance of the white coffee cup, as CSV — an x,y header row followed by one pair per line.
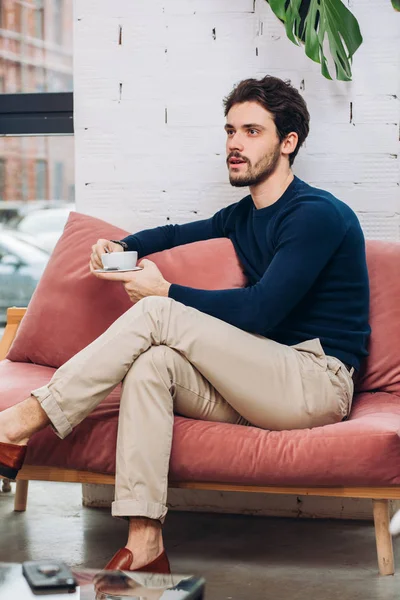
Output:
x,y
119,260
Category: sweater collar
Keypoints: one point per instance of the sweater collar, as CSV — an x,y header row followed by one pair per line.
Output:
x,y
268,210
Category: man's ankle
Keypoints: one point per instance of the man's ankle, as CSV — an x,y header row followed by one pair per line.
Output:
x,y
144,555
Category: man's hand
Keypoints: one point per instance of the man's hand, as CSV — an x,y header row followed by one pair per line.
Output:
x,y
99,248
139,284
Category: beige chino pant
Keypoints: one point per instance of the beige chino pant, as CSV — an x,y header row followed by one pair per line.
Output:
x,y
175,359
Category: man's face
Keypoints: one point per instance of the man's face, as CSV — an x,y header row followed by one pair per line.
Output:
x,y
253,149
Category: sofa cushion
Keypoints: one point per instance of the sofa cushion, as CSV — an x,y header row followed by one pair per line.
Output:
x,y
71,307
381,371
365,450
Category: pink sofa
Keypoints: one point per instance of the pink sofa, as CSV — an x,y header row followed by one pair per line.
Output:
x,y
359,457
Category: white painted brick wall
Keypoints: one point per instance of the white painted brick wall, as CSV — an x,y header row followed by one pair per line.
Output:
x,y
149,119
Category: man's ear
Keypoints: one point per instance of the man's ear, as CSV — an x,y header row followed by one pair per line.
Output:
x,y
290,142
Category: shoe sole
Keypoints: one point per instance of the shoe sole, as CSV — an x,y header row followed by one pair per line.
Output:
x,y
8,472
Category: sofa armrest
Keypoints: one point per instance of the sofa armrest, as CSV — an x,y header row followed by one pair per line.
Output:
x,y
14,318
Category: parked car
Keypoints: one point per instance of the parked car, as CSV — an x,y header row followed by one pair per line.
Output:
x,y
21,266
12,211
43,227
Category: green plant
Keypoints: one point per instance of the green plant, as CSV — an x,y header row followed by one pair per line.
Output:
x,y
312,21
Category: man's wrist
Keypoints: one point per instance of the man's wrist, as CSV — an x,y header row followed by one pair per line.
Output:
x,y
165,289
121,243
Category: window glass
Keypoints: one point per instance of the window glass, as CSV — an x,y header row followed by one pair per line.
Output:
x,y
35,46
26,252
42,220
36,187
37,169
36,197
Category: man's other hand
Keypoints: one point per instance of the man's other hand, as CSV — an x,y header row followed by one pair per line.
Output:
x,y
99,248
140,284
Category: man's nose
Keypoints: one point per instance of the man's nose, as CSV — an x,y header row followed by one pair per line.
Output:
x,y
235,142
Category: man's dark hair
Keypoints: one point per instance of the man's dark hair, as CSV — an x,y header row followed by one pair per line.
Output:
x,y
281,99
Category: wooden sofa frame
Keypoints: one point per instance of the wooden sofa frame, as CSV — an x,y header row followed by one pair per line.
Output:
x,y
380,496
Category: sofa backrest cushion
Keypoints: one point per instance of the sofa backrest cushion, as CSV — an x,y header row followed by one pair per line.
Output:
x,y
70,307
381,370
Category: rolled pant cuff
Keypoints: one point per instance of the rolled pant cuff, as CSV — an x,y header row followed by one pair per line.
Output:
x,y
133,508
59,421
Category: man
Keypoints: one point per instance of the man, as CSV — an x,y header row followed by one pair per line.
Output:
x,y
278,354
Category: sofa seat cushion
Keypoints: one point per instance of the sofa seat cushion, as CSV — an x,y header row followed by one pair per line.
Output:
x,y
365,450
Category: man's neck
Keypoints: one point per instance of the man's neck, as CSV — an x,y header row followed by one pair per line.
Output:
x,y
269,191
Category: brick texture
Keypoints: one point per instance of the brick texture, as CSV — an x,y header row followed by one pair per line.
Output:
x,y
149,81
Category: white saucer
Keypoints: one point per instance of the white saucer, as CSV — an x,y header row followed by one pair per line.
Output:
x,y
117,270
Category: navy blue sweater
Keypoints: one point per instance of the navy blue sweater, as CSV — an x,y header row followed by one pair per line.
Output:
x,y
304,257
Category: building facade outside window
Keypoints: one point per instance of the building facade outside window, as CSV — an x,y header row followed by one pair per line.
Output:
x,y
41,178
36,43
58,181
39,19
58,14
2,178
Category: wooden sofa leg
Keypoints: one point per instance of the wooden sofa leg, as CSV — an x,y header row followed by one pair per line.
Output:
x,y
383,537
21,495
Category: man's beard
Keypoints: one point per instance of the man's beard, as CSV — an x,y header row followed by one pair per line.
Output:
x,y
261,171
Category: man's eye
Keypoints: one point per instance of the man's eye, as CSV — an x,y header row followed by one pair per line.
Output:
x,y
229,131
253,131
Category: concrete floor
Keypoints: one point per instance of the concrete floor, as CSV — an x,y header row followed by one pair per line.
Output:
x,y
241,557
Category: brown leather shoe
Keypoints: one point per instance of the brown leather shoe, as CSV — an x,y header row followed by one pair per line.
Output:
x,y
122,560
12,457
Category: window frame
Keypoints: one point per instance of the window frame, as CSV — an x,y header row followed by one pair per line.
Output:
x,y
37,114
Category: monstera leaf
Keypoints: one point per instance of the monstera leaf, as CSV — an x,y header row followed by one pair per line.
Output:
x,y
314,21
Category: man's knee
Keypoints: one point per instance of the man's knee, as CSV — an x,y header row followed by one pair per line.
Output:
x,y
155,355
169,363
159,359
164,356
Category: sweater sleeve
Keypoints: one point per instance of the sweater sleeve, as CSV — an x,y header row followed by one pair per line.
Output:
x,y
306,239
161,238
